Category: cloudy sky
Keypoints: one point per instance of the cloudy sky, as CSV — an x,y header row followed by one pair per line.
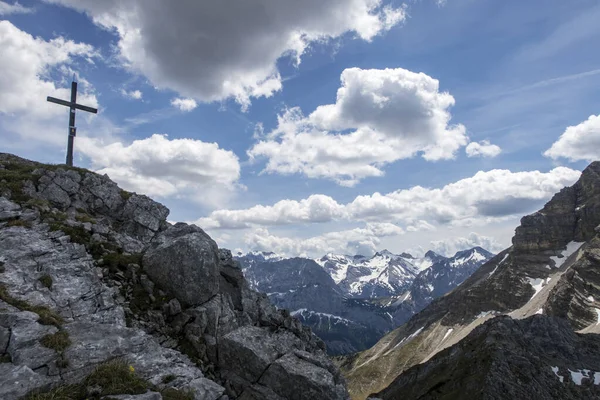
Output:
x,y
309,127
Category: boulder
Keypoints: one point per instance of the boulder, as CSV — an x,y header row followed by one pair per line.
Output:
x,y
183,260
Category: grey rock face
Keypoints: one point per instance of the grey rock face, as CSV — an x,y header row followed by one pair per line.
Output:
x,y
183,260
67,268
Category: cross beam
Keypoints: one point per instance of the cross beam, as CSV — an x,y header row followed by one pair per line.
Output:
x,y
72,106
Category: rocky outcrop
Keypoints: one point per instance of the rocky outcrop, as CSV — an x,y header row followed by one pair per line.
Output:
x,y
539,357
551,269
185,260
90,273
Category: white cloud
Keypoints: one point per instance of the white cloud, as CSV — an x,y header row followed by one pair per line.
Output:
x,y
580,142
485,197
449,247
391,114
25,83
184,104
482,149
160,167
216,50
132,94
15,8
354,241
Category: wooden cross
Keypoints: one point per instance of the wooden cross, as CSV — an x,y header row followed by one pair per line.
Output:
x,y
72,106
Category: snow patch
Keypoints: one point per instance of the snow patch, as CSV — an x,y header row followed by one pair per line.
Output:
x,y
598,312
540,311
405,340
301,312
590,299
576,377
538,284
497,265
560,377
572,247
486,313
448,332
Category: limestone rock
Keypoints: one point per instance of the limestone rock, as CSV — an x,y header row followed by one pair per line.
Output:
x,y
183,260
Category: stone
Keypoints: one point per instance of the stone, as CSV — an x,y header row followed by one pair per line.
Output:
x,y
173,307
18,380
205,389
183,261
289,373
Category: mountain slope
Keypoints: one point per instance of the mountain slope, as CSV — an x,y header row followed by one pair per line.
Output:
x,y
551,269
539,357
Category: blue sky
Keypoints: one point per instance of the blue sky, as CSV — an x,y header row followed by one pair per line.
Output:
x,y
519,75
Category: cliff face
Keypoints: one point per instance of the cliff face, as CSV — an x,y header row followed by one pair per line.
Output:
x,y
551,269
91,274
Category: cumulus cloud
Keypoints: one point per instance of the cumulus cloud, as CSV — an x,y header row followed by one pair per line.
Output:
x,y
354,241
132,94
184,104
158,166
15,8
33,68
216,50
482,149
579,142
449,247
380,116
484,197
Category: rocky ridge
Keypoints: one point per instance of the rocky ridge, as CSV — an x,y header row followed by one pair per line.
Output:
x,y
90,274
552,269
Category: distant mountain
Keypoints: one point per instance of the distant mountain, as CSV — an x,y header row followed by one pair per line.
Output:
x,y
352,301
384,274
551,271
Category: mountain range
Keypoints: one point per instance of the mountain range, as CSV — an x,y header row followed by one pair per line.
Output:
x,y
350,302
524,325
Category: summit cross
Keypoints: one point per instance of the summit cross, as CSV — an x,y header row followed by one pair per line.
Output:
x,y
72,107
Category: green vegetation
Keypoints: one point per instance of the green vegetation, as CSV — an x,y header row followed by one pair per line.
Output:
x,y
125,195
113,377
77,233
168,378
174,394
58,341
13,177
18,222
83,218
46,281
2,267
117,377
65,392
47,316
5,358
118,261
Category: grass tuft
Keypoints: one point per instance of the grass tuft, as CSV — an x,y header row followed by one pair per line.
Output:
x,y
46,281
18,222
168,378
58,341
116,377
174,394
47,316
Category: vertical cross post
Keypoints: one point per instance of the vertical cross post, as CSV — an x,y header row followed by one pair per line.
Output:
x,y
72,107
72,129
